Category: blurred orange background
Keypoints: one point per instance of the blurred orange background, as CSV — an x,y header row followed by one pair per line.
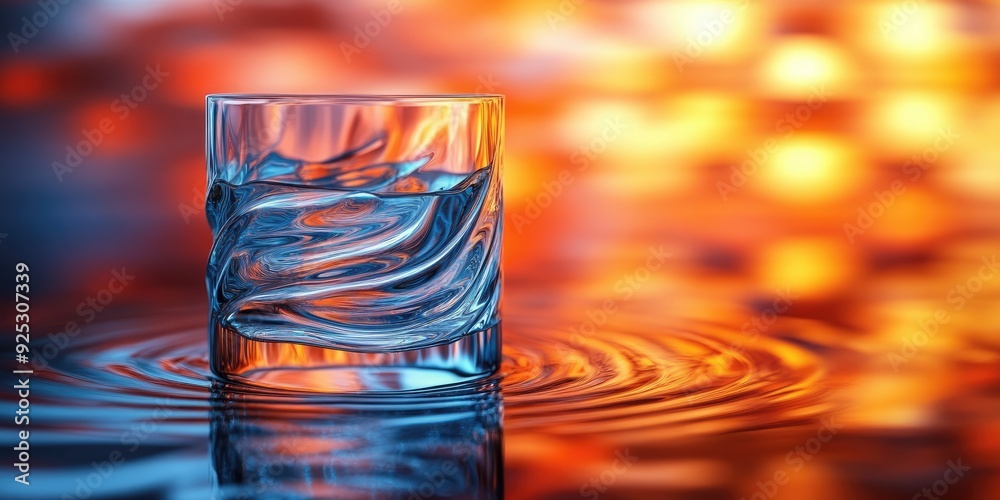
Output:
x,y
842,155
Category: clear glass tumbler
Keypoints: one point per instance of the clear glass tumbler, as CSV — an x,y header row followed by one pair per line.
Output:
x,y
356,240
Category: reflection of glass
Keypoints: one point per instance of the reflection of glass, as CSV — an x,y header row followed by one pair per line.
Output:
x,y
429,446
356,239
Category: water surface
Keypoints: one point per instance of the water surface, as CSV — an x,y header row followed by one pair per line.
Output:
x,y
139,389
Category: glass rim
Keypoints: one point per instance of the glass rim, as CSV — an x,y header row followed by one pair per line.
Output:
x,y
383,99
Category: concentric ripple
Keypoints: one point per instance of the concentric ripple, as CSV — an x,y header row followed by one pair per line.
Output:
x,y
698,378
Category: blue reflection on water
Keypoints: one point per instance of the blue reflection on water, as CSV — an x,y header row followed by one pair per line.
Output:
x,y
130,412
442,445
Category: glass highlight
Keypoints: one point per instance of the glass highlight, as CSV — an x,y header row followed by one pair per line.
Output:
x,y
356,240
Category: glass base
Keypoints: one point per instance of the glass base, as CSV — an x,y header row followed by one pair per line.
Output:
x,y
296,367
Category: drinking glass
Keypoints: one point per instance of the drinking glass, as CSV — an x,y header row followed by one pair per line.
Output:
x,y
356,240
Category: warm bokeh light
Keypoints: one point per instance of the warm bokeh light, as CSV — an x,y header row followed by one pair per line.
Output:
x,y
812,169
907,122
812,267
795,67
